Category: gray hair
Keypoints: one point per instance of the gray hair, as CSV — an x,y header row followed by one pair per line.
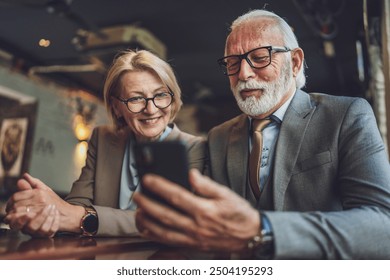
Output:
x,y
289,38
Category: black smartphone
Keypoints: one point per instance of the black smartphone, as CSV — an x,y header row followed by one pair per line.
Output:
x,y
168,159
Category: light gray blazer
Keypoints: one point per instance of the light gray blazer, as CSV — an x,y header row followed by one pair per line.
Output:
x,y
99,182
330,180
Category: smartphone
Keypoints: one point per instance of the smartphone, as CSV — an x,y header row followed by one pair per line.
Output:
x,y
168,159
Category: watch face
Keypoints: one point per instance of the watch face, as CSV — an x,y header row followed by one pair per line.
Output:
x,y
90,223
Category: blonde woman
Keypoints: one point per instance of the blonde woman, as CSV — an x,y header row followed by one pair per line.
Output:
x,y
142,96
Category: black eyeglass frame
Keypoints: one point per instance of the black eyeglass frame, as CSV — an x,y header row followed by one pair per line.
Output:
x,y
126,101
271,49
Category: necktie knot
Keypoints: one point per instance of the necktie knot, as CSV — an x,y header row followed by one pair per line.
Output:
x,y
259,125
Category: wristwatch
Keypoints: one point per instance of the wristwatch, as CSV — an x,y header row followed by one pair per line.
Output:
x,y
89,222
262,244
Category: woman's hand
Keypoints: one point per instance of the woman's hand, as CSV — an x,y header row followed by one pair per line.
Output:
x,y
37,210
44,223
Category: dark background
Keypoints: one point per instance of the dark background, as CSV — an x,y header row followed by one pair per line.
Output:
x,y
194,34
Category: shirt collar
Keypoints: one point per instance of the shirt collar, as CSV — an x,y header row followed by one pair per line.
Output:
x,y
165,134
278,115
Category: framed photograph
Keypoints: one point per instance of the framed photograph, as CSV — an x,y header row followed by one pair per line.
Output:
x,y
17,123
13,133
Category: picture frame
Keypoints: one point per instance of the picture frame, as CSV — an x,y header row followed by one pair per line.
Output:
x,y
17,125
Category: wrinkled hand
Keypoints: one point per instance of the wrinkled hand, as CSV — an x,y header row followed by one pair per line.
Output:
x,y
214,219
34,208
44,223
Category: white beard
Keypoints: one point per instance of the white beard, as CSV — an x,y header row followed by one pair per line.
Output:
x,y
272,93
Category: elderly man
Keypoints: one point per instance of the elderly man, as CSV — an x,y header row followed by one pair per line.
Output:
x,y
312,167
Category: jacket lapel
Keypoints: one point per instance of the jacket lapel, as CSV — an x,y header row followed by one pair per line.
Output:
x,y
292,132
174,134
237,155
114,151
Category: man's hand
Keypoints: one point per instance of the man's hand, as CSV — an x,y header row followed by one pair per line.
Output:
x,y
214,219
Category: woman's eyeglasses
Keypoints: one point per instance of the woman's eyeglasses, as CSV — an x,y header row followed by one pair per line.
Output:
x,y
138,103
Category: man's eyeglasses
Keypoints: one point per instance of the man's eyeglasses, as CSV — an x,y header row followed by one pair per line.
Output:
x,y
138,104
257,58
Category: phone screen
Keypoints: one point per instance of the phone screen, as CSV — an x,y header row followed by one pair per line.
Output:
x,y
167,159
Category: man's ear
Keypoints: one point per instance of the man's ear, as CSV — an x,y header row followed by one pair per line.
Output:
x,y
297,58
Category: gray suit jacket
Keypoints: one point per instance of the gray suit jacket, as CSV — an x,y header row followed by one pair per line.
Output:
x,y
330,180
99,182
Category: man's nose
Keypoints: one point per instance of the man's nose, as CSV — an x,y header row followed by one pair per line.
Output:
x,y
246,71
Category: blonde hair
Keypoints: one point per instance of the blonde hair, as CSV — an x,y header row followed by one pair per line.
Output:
x,y
139,60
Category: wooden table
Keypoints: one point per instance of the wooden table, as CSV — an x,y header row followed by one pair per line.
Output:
x,y
17,246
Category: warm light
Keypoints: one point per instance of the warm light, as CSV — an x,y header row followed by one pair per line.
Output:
x,y
80,154
44,43
82,131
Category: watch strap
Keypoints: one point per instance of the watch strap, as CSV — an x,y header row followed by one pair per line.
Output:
x,y
262,244
89,222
